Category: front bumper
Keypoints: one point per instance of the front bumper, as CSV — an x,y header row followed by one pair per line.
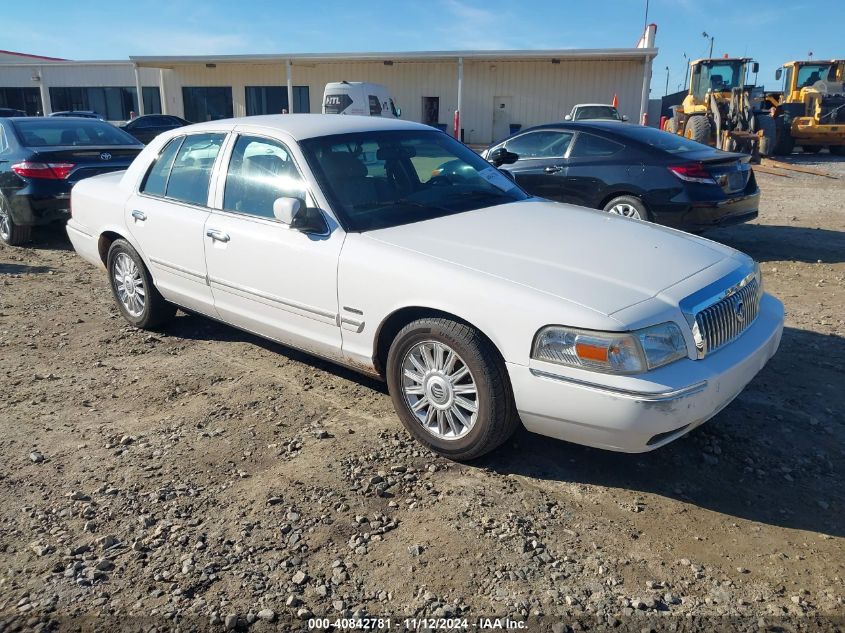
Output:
x,y
635,414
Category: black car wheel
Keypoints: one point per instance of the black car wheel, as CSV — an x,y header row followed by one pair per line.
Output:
x,y
450,388
137,298
11,233
811,149
628,206
837,150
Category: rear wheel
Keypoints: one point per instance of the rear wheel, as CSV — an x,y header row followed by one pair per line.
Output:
x,y
785,143
766,124
450,388
698,129
12,233
837,150
628,206
671,125
811,149
137,298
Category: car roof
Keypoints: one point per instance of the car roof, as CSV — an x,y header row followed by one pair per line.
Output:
x,y
590,105
302,126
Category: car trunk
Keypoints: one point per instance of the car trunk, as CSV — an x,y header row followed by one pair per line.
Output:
x,y
731,171
87,160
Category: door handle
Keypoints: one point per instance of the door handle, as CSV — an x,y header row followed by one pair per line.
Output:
x,y
139,215
553,169
217,236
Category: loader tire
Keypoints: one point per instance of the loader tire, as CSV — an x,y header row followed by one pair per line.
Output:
x,y
766,124
785,142
698,129
671,125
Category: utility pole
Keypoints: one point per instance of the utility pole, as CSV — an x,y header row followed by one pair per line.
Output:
x,y
645,22
705,36
666,92
686,71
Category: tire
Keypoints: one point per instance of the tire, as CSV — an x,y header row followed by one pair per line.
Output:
x,y
12,233
766,124
141,305
837,150
811,149
671,125
785,143
629,207
447,425
698,129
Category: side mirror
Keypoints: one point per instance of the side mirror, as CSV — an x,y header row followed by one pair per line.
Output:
x,y
624,117
755,68
568,117
286,209
398,112
501,156
778,74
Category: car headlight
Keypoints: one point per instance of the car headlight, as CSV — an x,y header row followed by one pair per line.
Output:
x,y
611,352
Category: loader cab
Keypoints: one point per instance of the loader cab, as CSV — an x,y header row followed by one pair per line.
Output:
x,y
716,75
798,76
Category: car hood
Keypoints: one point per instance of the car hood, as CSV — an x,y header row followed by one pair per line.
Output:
x,y
597,260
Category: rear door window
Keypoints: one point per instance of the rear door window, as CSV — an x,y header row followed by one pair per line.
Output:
x,y
590,146
191,171
540,144
155,182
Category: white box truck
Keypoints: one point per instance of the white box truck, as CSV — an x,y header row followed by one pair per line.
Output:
x,y
359,97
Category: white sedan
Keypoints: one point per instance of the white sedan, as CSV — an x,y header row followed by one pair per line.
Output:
x,y
481,306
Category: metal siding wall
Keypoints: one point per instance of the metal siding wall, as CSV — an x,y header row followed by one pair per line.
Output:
x,y
541,91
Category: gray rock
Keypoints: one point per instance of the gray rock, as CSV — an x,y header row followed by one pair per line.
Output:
x,y
36,457
299,578
231,622
268,615
415,550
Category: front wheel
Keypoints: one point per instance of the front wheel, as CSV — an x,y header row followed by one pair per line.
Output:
x,y
137,298
628,206
450,388
837,150
698,129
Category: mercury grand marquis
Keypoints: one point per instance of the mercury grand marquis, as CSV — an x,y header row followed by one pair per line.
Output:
x,y
481,306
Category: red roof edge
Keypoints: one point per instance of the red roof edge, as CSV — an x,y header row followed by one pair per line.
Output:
x,y
50,59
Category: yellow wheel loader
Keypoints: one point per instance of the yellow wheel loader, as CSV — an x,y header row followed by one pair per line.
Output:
x,y
810,111
719,111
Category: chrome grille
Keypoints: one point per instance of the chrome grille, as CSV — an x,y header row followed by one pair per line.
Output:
x,y
720,323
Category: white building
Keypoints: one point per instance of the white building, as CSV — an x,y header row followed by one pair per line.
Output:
x,y
494,90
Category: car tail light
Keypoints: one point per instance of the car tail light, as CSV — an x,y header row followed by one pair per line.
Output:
x,y
693,172
48,171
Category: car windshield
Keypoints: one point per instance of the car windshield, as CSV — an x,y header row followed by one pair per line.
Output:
x,y
43,132
597,112
666,141
380,179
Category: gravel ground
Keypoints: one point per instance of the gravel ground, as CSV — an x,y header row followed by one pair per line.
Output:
x,y
204,479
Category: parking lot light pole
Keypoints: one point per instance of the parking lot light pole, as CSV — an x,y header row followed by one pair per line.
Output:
x,y
138,90
290,84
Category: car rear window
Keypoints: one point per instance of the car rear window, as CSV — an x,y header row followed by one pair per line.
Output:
x,y
77,132
666,141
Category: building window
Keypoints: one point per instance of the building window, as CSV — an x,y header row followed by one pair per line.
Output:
x,y
152,100
207,103
274,99
26,99
112,103
431,110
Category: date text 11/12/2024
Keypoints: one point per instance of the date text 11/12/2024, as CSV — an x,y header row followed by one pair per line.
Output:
x,y
417,624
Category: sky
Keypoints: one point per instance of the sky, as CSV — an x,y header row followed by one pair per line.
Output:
x,y
771,32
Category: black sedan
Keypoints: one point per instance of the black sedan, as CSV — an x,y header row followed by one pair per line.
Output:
x,y
146,128
41,158
632,170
